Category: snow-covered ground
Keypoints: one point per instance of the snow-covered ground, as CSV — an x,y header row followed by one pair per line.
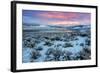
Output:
x,y
58,47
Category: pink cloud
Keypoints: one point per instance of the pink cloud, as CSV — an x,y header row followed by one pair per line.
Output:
x,y
64,23
65,18
58,15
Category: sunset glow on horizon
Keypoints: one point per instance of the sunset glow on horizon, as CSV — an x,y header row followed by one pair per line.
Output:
x,y
56,18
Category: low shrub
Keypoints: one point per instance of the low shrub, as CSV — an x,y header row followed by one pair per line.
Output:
x,y
35,54
67,45
48,43
39,48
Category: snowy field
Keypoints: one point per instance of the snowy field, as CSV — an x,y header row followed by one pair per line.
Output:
x,y
56,45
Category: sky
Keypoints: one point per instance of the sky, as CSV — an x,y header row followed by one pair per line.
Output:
x,y
55,18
